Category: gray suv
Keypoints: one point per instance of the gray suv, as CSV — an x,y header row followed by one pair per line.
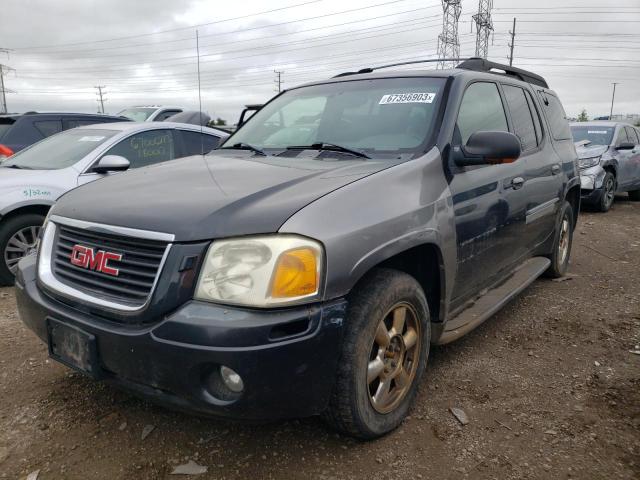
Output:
x,y
609,162
306,266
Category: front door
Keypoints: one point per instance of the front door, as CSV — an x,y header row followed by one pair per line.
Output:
x,y
488,203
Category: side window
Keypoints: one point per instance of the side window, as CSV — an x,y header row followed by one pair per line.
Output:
x,y
536,116
622,136
481,109
555,116
632,135
146,148
48,127
162,116
194,143
522,118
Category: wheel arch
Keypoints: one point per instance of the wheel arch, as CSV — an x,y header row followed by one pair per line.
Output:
x,y
39,208
425,263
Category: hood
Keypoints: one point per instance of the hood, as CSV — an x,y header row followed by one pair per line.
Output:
x,y
219,195
12,177
588,151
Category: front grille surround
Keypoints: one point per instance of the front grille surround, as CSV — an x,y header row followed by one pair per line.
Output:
x,y
144,255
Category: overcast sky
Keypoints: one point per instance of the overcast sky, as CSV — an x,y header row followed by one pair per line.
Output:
x,y
144,51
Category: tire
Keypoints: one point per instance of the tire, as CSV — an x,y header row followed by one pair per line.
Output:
x,y
608,193
14,232
353,408
634,195
562,242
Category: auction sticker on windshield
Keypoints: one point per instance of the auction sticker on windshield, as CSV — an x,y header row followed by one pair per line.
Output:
x,y
407,98
90,138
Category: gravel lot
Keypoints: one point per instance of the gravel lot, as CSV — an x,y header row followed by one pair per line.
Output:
x,y
550,386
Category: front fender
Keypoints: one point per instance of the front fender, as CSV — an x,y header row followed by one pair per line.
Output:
x,y
592,178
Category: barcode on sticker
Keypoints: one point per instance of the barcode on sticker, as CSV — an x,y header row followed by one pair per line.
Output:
x,y
603,132
407,98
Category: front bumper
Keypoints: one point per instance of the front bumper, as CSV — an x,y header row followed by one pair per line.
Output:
x,y
591,180
287,358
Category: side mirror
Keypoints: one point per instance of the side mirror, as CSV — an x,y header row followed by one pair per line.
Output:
x,y
626,146
488,148
112,163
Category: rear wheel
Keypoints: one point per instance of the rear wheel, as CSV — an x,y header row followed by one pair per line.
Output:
x,y
563,239
384,355
18,237
608,193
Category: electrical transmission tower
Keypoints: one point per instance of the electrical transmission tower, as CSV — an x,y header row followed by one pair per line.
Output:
x,y
448,43
3,90
101,98
278,81
484,27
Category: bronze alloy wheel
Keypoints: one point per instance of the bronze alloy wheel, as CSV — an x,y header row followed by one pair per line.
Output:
x,y
394,357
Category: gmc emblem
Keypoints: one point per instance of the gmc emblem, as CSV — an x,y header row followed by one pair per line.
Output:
x,y
86,257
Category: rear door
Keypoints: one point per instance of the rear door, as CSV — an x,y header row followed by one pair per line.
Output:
x,y
488,199
196,143
543,179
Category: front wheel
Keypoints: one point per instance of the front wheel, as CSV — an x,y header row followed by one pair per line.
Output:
x,y
608,193
562,241
18,237
384,355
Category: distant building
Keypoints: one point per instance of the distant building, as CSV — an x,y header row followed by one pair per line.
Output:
x,y
632,118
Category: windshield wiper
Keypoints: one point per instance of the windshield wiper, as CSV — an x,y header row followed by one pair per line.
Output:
x,y
17,167
330,147
245,146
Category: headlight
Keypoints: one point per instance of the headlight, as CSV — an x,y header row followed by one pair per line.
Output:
x,y
588,162
261,271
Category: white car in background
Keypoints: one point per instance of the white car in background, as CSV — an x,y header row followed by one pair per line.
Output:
x,y
34,178
150,113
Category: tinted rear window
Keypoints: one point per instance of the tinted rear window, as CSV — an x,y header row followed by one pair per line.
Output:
x,y
555,116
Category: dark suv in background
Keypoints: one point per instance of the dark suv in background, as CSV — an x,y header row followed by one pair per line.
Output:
x,y
18,131
307,265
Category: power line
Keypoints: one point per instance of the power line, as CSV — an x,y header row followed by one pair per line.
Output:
x,y
173,29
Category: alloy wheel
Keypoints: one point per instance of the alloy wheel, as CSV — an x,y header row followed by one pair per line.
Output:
x,y
609,192
394,357
19,245
563,243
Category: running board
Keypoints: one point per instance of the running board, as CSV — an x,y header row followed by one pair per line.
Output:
x,y
494,299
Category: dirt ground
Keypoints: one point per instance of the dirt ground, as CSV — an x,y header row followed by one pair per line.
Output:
x,y
550,386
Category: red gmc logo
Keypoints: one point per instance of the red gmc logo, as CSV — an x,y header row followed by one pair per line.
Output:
x,y
86,257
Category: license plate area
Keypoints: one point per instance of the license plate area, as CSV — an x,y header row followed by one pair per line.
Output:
x,y
73,347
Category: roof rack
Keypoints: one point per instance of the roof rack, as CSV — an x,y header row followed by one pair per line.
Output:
x,y
482,65
476,64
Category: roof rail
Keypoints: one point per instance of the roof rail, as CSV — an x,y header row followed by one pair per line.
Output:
x,y
482,65
412,62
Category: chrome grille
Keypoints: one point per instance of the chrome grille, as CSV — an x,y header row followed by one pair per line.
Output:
x,y
138,268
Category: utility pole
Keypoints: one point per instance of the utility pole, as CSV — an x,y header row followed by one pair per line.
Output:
x,y
484,27
613,96
3,91
513,42
278,80
101,99
448,43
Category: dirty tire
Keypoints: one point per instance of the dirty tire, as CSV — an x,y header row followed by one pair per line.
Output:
x,y
560,260
8,229
608,193
351,409
634,195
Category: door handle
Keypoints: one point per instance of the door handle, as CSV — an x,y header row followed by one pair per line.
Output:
x,y
517,183
555,169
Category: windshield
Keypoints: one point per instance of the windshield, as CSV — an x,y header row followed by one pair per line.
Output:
x,y
138,114
380,117
59,151
594,134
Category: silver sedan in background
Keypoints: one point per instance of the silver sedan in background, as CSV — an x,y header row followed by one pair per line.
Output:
x,y
34,178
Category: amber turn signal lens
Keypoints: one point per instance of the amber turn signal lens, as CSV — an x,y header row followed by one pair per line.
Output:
x,y
296,274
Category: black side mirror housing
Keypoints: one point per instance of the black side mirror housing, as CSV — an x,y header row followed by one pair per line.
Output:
x,y
626,146
488,148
